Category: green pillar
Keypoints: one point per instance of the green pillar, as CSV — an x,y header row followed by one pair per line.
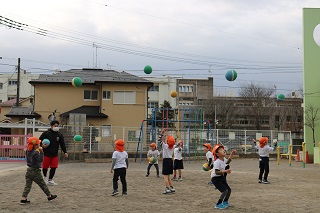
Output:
x,y
311,71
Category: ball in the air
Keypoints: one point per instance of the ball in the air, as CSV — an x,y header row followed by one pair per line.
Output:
x,y
173,94
280,97
231,75
77,138
76,82
147,69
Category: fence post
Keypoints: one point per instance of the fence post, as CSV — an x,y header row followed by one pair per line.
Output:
x,y
304,154
278,154
90,141
245,142
290,154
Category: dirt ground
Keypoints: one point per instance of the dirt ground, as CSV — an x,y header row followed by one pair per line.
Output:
x,y
87,187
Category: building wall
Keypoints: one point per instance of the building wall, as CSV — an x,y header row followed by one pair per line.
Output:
x,y
10,91
64,97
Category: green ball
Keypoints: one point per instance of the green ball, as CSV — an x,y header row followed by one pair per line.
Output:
x,y
280,97
147,69
77,138
76,82
231,75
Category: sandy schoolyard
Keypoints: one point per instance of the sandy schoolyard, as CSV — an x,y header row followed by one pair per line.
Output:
x,y
87,187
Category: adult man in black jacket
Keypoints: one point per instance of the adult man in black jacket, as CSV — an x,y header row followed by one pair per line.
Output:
x,y
51,151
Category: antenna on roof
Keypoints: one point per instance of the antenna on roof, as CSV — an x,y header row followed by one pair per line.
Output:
x,y
95,62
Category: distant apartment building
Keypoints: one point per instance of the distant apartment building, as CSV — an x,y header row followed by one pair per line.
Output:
x,y
191,92
8,85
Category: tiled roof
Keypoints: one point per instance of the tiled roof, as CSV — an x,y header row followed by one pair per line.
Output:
x,y
23,112
90,76
90,111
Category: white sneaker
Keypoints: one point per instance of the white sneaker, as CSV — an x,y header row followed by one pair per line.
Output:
x,y
51,183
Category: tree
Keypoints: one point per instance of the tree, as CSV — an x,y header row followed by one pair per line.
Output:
x,y
260,101
165,114
312,119
222,109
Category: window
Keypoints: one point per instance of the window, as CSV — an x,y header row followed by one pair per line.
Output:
x,y
90,95
1,85
106,95
133,135
155,87
11,97
106,131
153,104
124,97
13,82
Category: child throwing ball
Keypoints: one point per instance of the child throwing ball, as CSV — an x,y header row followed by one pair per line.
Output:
x,y
264,150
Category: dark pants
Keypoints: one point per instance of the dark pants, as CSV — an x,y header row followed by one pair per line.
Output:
x,y
122,172
34,174
155,165
264,168
221,184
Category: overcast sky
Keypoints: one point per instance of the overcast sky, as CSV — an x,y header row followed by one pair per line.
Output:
x,y
261,40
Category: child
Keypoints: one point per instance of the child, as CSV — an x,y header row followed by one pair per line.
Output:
x,y
167,144
208,150
119,165
264,150
178,161
218,175
153,153
34,155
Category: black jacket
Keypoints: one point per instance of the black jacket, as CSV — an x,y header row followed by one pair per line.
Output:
x,y
56,139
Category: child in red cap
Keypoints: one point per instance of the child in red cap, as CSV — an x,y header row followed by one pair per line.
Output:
x,y
153,152
168,145
119,165
264,150
34,155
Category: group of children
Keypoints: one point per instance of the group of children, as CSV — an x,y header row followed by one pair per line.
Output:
x,y
217,163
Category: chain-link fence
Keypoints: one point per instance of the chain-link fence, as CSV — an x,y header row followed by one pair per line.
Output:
x,y
100,139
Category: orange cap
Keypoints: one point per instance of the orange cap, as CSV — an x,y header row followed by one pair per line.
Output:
x,y
214,150
171,142
153,144
208,145
263,141
119,145
31,142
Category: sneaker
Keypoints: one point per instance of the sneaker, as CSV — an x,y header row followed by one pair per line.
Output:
x,y
180,179
158,176
210,183
167,191
51,183
147,175
220,206
23,202
226,204
172,189
52,197
260,181
115,192
265,182
124,193
174,178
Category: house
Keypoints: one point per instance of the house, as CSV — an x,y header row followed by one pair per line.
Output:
x,y
106,97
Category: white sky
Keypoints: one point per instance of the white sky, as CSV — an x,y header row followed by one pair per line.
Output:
x,y
261,40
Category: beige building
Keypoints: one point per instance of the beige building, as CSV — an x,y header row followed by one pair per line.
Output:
x,y
106,97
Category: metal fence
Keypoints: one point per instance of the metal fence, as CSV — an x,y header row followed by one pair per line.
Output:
x,y
138,139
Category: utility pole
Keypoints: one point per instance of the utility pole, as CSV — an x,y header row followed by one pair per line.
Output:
x,y
18,83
